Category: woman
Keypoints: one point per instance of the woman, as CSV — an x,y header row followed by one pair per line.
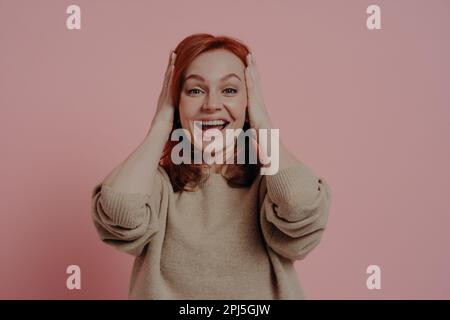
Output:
x,y
210,231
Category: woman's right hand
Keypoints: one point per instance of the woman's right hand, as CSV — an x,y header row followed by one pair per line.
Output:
x,y
165,110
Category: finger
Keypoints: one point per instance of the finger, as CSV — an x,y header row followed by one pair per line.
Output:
x,y
256,81
169,67
173,57
169,85
170,58
249,59
253,90
249,85
253,58
165,92
251,67
168,74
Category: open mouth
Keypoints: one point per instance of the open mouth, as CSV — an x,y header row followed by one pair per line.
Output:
x,y
211,124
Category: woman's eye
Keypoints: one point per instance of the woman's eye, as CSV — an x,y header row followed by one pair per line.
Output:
x,y
194,91
230,91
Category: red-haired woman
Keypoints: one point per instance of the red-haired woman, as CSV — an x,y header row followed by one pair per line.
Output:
x,y
210,231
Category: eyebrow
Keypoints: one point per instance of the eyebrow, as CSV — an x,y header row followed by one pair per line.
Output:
x,y
200,78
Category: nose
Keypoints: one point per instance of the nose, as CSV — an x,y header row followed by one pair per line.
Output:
x,y
212,103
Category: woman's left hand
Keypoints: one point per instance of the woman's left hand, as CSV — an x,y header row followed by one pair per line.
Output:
x,y
259,119
257,113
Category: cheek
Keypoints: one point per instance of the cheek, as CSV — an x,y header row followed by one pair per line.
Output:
x,y
187,109
238,107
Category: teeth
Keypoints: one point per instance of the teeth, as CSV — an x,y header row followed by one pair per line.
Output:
x,y
213,123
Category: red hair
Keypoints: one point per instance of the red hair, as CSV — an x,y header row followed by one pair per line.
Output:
x,y
185,177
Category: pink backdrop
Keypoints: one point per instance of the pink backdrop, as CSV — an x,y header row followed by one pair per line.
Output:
x,y
367,110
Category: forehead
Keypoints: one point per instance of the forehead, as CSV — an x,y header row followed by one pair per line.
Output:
x,y
215,64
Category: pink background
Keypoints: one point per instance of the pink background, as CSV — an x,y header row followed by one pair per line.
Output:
x,y
367,110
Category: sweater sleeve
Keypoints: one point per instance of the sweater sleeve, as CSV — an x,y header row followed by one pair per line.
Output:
x,y
127,221
294,211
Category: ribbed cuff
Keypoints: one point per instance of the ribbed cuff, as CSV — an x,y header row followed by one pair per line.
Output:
x,y
297,184
124,209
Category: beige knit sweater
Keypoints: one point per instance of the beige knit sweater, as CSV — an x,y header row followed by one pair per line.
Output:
x,y
217,242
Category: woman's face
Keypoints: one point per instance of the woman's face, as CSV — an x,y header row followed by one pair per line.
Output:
x,y
214,92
